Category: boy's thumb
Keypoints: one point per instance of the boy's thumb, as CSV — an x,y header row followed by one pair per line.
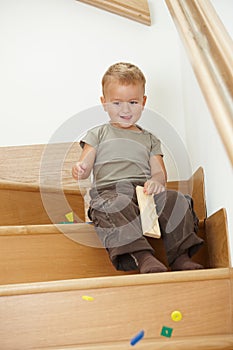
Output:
x,y
83,166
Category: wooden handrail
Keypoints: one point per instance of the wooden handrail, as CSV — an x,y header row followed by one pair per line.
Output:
x,y
137,10
210,51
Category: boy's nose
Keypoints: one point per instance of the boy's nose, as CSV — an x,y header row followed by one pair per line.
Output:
x,y
125,108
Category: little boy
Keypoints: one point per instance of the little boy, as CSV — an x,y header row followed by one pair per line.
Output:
x,y
123,155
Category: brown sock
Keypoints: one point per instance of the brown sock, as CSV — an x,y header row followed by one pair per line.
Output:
x,y
183,262
147,263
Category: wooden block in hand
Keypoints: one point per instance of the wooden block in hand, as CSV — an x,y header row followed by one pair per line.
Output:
x,y
149,217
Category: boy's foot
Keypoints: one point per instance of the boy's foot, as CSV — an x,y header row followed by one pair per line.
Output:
x,y
147,263
183,262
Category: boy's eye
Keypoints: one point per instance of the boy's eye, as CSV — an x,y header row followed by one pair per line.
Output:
x,y
119,103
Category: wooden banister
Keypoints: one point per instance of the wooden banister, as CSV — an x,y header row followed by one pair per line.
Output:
x,y
210,51
137,10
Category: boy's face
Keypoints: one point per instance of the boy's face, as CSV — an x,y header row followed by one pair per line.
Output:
x,y
124,103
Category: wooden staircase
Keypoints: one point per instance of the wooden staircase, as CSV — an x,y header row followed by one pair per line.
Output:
x,y
46,268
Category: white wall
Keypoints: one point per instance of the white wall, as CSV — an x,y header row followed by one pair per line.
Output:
x,y
53,54
203,141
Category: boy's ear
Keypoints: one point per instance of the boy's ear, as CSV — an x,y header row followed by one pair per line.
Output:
x,y
144,100
102,100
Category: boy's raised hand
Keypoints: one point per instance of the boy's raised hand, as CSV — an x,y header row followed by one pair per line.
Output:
x,y
78,170
153,187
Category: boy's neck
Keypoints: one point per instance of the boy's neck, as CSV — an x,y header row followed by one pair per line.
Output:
x,y
133,127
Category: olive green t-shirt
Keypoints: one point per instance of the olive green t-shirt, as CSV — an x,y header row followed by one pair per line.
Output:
x,y
121,154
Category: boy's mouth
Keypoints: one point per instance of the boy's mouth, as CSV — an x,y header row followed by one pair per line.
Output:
x,y
126,117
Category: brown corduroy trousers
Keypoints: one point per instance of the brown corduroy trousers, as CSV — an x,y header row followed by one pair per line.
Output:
x,y
115,213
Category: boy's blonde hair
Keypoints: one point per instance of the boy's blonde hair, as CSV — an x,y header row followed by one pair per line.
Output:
x,y
125,73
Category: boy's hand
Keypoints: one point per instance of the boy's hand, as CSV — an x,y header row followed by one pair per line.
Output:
x,y
78,170
153,187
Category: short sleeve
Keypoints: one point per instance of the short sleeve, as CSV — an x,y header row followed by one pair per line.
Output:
x,y
91,138
155,146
